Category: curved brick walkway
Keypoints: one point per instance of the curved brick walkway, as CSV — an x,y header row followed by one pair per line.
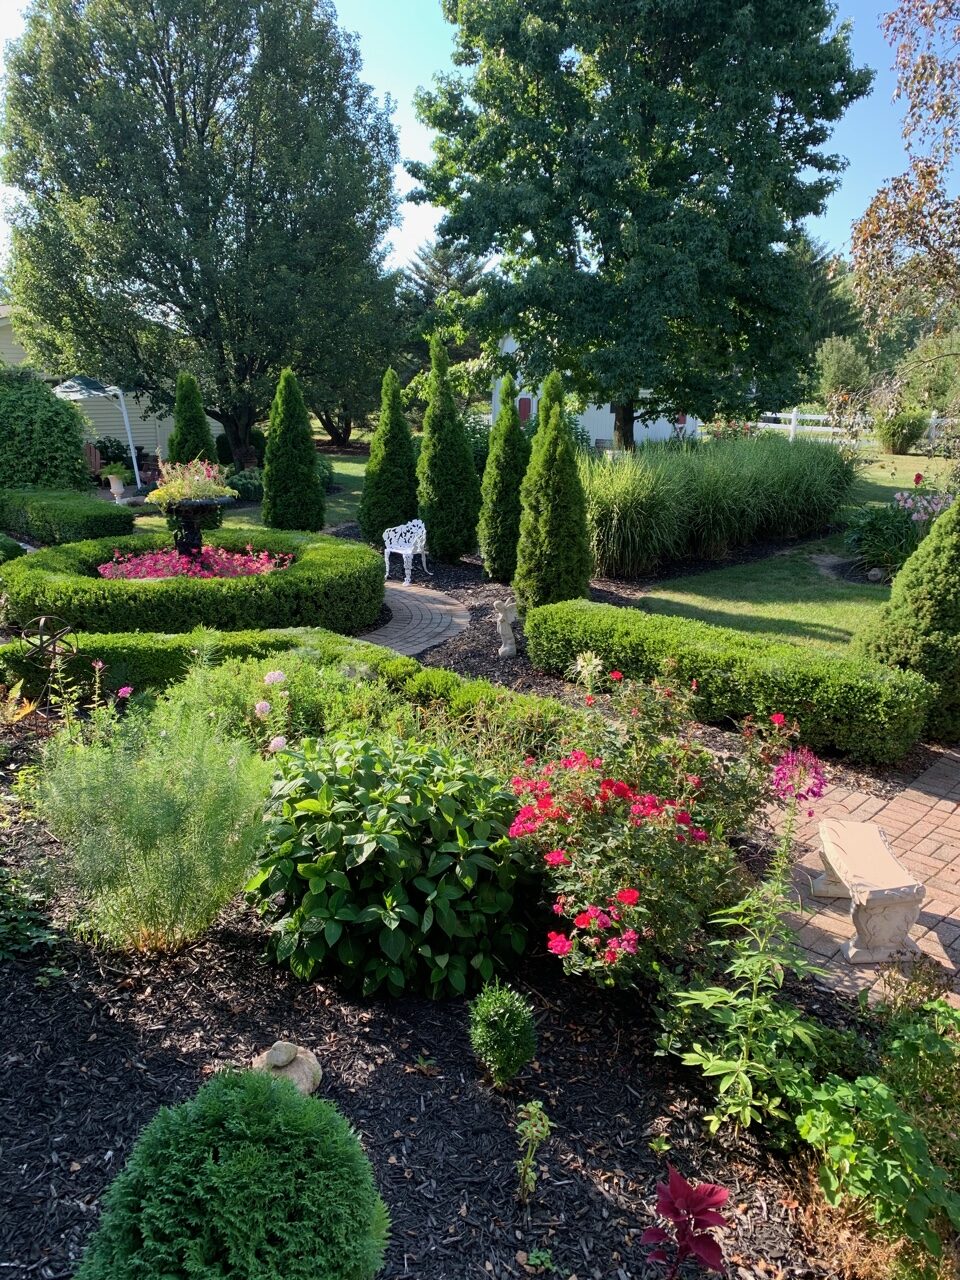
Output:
x,y
421,619
923,823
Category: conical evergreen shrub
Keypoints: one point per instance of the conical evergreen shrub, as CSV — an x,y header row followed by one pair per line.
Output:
x,y
551,397
499,527
292,489
553,556
191,436
919,629
448,487
390,483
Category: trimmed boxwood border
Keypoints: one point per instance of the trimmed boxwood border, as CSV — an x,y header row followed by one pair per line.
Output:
x,y
51,516
331,583
843,704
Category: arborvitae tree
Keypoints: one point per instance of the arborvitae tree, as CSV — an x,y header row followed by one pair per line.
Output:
x,y
191,436
390,483
553,557
499,527
292,489
920,627
551,396
448,488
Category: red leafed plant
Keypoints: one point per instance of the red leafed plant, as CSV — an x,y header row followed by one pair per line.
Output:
x,y
692,1211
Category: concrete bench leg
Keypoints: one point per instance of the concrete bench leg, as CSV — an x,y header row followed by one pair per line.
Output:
x,y
883,921
828,884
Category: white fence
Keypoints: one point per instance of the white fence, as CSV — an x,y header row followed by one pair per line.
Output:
x,y
795,424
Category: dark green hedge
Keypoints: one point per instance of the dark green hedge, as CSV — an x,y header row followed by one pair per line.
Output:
x,y
842,704
9,549
331,583
50,516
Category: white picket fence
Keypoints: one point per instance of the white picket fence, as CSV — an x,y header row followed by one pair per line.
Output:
x,y
795,424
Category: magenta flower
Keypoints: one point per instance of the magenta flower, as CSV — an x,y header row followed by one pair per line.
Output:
x,y
125,691
799,776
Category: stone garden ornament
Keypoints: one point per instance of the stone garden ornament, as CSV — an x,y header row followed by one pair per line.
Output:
x,y
285,1060
506,612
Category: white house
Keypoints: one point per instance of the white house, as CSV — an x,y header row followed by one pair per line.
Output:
x,y
596,419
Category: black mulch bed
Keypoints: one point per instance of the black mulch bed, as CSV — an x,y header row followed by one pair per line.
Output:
x,y
87,1060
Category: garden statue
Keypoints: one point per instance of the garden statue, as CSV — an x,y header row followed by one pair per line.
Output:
x,y
506,612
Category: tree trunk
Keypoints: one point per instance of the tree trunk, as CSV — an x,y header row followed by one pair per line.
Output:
x,y
237,432
624,417
338,428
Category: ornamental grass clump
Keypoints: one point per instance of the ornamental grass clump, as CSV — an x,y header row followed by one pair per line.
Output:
x,y
247,1180
159,817
502,1032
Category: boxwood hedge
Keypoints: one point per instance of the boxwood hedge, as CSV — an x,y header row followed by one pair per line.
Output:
x,y
331,583
9,549
51,516
843,704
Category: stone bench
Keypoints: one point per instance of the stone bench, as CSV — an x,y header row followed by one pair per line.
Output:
x,y
885,898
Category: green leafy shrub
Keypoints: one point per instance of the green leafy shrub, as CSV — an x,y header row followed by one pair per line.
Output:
x,y
9,549
860,709
389,864
324,471
901,432
883,537
448,488
553,554
919,629
249,1179
331,583
662,503
50,517
389,495
292,486
159,816
191,437
502,1031
499,527
842,367
247,484
22,924
42,435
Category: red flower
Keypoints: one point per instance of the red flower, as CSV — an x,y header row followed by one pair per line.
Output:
x,y
583,920
698,834
616,675
682,818
559,944
629,897
778,719
556,858
589,699
918,479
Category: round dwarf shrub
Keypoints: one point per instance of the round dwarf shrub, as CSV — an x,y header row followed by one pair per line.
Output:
x,y
330,583
901,432
248,1179
919,629
502,1032
389,864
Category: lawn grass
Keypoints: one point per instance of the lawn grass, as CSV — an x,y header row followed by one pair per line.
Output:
x,y
886,474
782,597
348,469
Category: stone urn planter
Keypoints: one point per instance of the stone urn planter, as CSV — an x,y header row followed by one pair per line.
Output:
x,y
189,514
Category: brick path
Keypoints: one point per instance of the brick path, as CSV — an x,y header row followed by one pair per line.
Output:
x,y
421,619
923,823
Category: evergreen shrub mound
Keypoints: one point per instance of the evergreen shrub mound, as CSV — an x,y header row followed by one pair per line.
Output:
x,y
191,436
903,431
502,1032
390,481
448,487
663,504
248,1180
292,485
499,527
9,549
553,554
42,435
859,709
331,583
918,630
52,517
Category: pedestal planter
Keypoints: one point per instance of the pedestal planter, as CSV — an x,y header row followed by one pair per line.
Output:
x,y
189,514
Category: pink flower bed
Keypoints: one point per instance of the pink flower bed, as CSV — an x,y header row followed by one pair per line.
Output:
x,y
210,562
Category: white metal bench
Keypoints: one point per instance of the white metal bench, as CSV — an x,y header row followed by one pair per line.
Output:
x,y
884,897
407,540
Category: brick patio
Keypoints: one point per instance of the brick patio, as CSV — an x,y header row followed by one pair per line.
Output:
x,y
420,619
923,824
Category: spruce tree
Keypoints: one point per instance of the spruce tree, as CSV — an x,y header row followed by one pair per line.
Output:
x,y
499,527
390,483
919,629
191,436
553,556
448,489
292,489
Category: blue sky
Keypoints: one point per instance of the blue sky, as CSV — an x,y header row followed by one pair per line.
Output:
x,y
404,42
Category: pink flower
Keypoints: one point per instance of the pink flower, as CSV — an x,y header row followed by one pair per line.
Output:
x,y
262,710
97,664
698,834
125,691
694,685
628,941
556,858
559,944
616,675
629,897
274,677
278,743
778,719
799,776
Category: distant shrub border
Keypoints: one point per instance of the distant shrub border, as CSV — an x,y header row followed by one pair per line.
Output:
x,y
51,516
861,710
331,583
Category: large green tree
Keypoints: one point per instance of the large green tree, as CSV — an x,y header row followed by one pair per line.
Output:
x,y
448,488
201,183
641,170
